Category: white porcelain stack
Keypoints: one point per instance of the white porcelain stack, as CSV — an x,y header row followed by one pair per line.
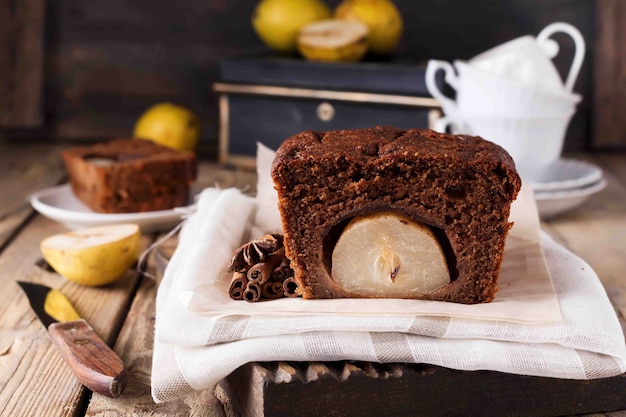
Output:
x,y
514,96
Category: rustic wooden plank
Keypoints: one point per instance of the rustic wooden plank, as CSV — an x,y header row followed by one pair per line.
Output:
x,y
135,346
136,339
612,162
25,170
21,62
365,389
31,365
609,91
111,61
23,344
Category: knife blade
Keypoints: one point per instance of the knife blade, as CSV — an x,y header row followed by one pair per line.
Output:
x,y
93,362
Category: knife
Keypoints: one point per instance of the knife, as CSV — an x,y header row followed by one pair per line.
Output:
x,y
93,362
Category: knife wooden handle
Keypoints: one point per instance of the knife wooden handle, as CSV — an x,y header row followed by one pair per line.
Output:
x,y
93,362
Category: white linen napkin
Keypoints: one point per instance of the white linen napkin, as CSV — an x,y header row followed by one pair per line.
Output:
x,y
576,335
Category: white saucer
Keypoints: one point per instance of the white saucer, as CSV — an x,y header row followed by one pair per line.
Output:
x,y
60,204
552,203
568,174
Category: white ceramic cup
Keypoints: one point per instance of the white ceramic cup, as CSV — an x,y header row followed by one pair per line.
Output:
x,y
534,143
482,92
528,61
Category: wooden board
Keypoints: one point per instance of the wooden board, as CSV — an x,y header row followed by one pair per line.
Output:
x,y
135,345
21,62
22,175
29,350
609,63
31,367
361,389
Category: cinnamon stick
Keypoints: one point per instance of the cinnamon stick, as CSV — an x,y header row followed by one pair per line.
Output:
x,y
252,293
272,290
237,285
290,287
262,271
282,271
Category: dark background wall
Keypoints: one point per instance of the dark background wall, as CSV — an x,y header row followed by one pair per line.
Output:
x,y
105,61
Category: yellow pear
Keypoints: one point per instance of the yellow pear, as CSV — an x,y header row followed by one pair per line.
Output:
x,y
333,40
388,254
58,306
381,17
169,125
95,255
277,22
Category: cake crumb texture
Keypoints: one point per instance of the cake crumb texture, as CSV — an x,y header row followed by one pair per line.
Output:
x,y
130,175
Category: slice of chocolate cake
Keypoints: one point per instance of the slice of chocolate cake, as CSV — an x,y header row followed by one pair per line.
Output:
x,y
391,196
130,175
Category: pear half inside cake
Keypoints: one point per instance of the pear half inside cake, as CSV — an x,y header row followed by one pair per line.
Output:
x,y
388,255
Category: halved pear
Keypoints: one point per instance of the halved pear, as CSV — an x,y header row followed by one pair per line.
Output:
x,y
388,255
382,17
95,255
333,40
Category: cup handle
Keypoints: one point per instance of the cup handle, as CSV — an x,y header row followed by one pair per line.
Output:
x,y
450,78
579,43
443,123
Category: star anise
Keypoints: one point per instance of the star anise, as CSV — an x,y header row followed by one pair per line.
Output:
x,y
256,251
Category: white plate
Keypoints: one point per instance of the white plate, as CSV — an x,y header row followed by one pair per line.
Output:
x,y
568,174
60,204
553,203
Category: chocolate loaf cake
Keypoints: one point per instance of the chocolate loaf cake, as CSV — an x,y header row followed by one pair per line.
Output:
x,y
460,187
130,175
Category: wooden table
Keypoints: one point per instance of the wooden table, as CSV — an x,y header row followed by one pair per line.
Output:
x,y
34,381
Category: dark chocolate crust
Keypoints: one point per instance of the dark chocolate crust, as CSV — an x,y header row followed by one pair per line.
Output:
x,y
143,176
461,186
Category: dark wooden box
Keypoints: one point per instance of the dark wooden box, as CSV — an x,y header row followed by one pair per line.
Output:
x,y
268,99
363,389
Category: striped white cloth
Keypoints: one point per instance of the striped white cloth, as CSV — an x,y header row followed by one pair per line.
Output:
x,y
194,350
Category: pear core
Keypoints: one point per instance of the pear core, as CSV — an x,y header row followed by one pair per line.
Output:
x,y
388,255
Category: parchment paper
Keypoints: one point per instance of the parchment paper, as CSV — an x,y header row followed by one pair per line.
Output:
x,y
526,293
